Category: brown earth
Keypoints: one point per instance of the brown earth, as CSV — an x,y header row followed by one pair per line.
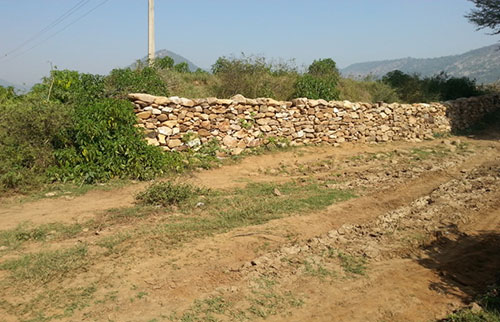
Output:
x,y
419,241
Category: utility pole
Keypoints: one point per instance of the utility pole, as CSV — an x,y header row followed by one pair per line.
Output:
x,y
151,32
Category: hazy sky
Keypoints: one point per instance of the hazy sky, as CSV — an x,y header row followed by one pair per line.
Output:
x,y
115,33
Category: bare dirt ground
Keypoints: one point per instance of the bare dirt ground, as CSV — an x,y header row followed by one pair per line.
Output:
x,y
417,239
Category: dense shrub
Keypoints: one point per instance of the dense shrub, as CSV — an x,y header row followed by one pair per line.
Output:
x,y
315,88
164,63
29,130
320,81
103,143
43,141
367,90
168,193
254,77
6,94
71,87
324,68
182,68
121,82
413,89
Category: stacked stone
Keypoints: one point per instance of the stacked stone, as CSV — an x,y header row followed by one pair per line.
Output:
x,y
178,123
463,113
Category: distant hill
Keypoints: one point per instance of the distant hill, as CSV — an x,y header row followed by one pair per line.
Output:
x,y
176,57
482,64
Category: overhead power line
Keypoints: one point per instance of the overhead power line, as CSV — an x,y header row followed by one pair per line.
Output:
x,y
57,32
50,26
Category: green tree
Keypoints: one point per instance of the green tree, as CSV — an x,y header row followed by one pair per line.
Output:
x,y
182,68
486,15
7,93
324,68
164,63
320,81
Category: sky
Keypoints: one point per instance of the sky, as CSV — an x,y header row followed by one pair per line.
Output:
x,y
105,34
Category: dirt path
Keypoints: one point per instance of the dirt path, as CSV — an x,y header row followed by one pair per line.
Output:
x,y
395,253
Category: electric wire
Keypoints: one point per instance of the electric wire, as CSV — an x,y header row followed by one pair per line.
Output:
x,y
50,26
56,33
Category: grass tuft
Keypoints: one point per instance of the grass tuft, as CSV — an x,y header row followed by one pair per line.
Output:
x,y
47,266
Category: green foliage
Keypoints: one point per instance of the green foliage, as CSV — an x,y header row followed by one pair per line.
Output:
x,y
413,89
320,81
182,68
324,68
122,82
253,76
164,63
490,309
168,193
6,94
470,316
103,144
486,15
315,88
367,90
29,130
67,86
46,266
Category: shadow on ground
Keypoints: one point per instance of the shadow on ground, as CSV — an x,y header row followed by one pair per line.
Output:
x,y
467,264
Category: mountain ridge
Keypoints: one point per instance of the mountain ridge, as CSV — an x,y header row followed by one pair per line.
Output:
x,y
176,57
482,64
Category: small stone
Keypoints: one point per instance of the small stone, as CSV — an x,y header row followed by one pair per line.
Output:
x,y
152,141
174,143
277,193
187,102
2,248
142,97
165,130
144,115
237,151
50,194
239,99
162,100
162,117
229,141
203,132
475,308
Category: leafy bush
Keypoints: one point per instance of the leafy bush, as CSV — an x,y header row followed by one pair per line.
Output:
x,y
315,88
367,90
182,68
168,193
164,63
71,87
122,82
320,81
324,68
7,93
254,77
103,143
29,130
413,89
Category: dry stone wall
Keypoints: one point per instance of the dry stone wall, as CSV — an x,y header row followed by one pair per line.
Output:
x,y
238,123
